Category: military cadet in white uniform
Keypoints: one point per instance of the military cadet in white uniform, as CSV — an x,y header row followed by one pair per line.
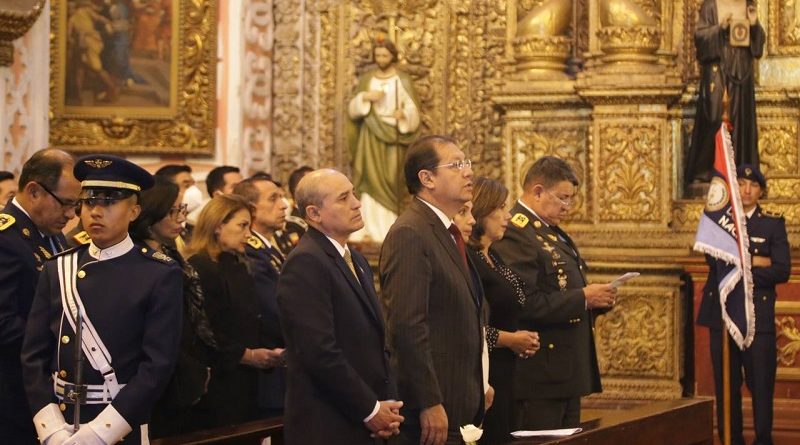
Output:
x,y
129,298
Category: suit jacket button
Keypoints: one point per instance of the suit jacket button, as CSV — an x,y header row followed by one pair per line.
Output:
x,y
551,346
81,274
65,339
62,374
764,298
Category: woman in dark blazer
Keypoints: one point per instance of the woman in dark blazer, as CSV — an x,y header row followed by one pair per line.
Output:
x,y
504,293
158,225
217,252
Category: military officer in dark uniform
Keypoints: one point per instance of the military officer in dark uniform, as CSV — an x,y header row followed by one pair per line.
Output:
x,y
129,298
30,233
266,260
769,250
551,383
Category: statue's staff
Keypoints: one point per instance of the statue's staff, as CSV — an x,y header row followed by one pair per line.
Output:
x,y
399,170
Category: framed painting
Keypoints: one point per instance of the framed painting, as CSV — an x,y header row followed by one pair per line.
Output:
x,y
133,76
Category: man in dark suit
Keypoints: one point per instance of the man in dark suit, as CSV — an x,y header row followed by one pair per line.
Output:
x,y
560,304
30,233
266,261
130,300
434,298
769,250
339,381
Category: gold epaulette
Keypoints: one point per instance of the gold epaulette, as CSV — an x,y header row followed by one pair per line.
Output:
x,y
156,255
6,221
255,242
520,220
82,237
772,214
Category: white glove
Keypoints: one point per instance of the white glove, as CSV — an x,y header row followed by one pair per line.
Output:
x,y
85,436
50,425
59,437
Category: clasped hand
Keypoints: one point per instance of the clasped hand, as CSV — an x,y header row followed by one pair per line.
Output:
x,y
386,422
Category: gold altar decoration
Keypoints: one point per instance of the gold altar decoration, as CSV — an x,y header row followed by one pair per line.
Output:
x,y
16,18
627,33
166,106
541,46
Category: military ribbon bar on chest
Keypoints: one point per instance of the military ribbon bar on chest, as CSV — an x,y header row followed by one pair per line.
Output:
x,y
87,340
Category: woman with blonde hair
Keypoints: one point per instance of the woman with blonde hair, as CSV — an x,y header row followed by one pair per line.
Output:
x,y
217,253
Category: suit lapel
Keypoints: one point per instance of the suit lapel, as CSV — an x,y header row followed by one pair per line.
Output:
x,y
337,259
449,244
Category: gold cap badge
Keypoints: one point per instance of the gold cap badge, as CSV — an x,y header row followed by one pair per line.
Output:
x,y
98,163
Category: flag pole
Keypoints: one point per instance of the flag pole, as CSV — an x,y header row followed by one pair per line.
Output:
x,y
726,352
726,387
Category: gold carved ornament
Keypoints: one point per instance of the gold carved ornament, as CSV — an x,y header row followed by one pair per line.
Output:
x,y
16,18
629,173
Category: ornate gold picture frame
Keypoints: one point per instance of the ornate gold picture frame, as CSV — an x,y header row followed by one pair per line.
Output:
x,y
784,27
133,76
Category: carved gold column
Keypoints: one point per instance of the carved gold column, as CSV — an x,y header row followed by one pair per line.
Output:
x,y
631,81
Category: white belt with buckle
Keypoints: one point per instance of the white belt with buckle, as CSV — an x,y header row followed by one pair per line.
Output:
x,y
95,394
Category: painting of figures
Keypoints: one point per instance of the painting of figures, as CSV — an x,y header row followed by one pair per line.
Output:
x,y
118,57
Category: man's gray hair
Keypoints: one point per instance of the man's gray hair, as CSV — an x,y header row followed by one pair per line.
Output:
x,y
310,191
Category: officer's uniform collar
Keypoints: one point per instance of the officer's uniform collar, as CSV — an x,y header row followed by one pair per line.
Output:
x,y
117,250
525,206
263,239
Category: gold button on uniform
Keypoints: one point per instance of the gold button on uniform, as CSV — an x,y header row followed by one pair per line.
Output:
x,y
551,346
144,250
62,407
62,374
65,339
764,298
81,274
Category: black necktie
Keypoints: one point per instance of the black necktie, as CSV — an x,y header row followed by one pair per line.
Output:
x,y
462,249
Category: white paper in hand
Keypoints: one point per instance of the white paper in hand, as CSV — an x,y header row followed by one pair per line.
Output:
x,y
620,280
547,433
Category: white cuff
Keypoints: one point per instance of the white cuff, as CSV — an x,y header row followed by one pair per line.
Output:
x,y
374,411
49,421
110,426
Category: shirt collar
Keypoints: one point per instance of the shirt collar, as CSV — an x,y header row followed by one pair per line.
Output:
x,y
263,239
445,220
519,201
339,248
19,206
750,213
21,209
117,250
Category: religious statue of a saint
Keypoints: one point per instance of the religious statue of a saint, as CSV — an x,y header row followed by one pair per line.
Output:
x,y
384,119
729,38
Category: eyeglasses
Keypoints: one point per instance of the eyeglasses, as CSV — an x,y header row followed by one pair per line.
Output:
x,y
458,165
64,203
564,202
182,210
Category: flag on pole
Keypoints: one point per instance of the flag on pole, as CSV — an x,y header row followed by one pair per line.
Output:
x,y
722,234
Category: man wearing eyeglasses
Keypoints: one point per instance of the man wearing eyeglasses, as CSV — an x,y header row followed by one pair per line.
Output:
x,y
129,298
434,299
560,304
30,233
